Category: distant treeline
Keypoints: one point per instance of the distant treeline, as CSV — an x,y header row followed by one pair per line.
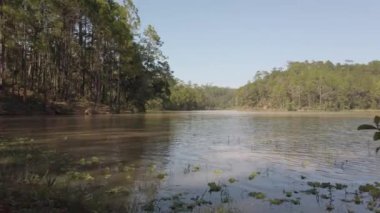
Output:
x,y
194,97
314,85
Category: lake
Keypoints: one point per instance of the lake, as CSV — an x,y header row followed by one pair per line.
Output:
x,y
169,159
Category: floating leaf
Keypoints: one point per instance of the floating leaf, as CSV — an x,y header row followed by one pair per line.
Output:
x,y
376,120
376,136
366,127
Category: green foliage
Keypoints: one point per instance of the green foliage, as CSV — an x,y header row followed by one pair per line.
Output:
x,y
340,186
232,180
196,169
162,175
276,201
257,195
71,51
376,135
194,97
314,85
288,194
253,175
214,187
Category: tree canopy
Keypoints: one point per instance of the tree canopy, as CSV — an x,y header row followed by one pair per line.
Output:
x,y
314,85
80,49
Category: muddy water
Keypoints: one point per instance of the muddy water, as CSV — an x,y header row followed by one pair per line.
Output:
x,y
196,148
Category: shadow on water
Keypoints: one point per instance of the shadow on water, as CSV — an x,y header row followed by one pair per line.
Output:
x,y
71,163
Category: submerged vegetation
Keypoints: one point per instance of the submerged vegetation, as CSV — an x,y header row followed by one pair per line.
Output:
x,y
49,181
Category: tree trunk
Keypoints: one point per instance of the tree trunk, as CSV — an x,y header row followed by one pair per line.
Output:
x,y
2,47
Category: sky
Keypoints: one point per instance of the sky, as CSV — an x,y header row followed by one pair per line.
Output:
x,y
224,42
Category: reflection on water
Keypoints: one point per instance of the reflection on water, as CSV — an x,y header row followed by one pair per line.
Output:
x,y
196,148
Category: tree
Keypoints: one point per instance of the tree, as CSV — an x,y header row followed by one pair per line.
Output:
x,y
80,51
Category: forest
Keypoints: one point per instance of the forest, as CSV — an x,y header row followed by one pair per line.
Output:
x,y
56,56
80,51
314,86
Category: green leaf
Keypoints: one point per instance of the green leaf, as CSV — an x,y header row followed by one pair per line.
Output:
x,y
377,120
366,127
376,136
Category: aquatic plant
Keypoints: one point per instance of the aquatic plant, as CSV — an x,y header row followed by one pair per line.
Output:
x,y
312,191
324,196
257,195
314,184
287,194
276,201
357,199
232,180
253,175
161,175
326,185
225,196
340,186
296,201
118,190
152,168
150,206
376,127
329,207
196,168
218,171
214,187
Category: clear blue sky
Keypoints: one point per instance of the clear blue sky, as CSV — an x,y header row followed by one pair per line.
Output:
x,y
224,42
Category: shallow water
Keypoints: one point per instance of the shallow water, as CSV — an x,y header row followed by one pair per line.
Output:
x,y
323,147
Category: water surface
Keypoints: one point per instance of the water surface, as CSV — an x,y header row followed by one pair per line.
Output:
x,y
281,147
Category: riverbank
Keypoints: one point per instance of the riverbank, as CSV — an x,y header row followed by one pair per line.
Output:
x,y
309,111
16,105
